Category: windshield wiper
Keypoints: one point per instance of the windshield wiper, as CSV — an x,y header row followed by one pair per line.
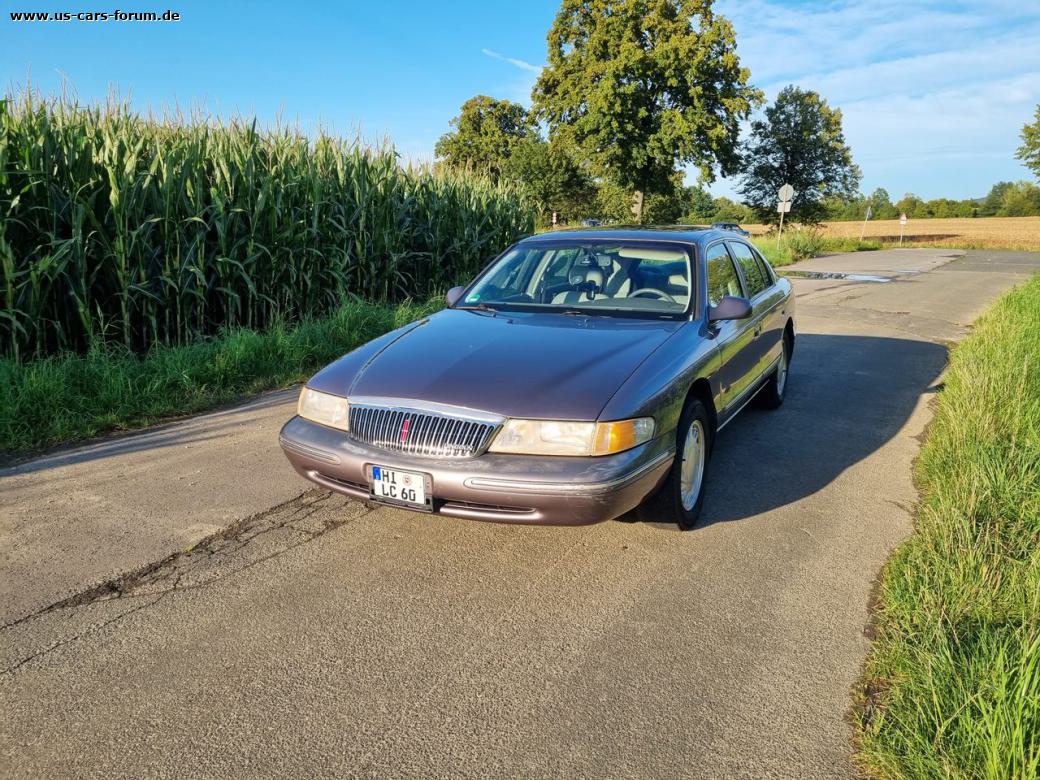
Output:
x,y
581,313
479,307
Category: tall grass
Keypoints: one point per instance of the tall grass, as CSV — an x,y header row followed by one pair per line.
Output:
x,y
118,228
68,397
803,244
953,685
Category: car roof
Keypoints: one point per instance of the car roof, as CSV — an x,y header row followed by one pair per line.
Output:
x,y
689,234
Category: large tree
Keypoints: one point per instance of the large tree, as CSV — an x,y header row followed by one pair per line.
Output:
x,y
1029,151
1021,199
881,206
642,87
484,134
911,205
701,204
552,178
799,142
994,200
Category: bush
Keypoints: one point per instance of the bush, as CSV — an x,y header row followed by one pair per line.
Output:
x,y
803,244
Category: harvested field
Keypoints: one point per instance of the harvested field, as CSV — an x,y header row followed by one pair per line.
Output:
x,y
981,233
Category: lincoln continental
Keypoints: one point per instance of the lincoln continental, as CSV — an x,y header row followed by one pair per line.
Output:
x,y
580,375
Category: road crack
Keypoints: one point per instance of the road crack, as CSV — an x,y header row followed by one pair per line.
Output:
x,y
241,546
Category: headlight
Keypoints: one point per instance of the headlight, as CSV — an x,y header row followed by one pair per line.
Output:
x,y
330,410
550,437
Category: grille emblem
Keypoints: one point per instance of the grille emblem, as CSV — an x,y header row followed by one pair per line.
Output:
x,y
404,430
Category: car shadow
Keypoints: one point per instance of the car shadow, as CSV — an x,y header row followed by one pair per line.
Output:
x,y
848,396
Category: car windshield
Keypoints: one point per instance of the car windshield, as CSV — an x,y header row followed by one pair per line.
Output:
x,y
609,277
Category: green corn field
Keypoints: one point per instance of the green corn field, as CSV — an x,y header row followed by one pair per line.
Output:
x,y
122,229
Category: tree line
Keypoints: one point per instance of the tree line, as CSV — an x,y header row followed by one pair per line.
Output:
x,y
633,93
1005,199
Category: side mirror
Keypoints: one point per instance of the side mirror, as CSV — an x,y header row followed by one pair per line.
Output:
x,y
453,295
730,308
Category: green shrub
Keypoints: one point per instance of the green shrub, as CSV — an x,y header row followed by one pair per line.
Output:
x,y
68,397
803,244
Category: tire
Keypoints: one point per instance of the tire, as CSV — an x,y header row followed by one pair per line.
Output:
x,y
771,396
694,437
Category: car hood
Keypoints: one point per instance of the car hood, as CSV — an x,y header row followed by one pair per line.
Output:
x,y
547,366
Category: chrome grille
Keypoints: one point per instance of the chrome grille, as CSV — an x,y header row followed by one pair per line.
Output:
x,y
423,432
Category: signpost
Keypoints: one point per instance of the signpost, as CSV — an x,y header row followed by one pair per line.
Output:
x,y
863,232
784,196
902,224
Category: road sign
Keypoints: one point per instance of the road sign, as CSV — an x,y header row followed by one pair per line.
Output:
x,y
902,224
783,206
902,218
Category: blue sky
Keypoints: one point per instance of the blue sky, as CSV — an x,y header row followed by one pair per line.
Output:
x,y
934,94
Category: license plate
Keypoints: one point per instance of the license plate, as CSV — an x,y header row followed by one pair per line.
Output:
x,y
404,487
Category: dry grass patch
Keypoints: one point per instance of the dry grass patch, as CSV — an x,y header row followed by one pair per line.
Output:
x,y
1021,233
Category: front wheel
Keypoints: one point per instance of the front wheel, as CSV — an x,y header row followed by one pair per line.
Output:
x,y
681,496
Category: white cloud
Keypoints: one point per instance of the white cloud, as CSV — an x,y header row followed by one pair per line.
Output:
x,y
523,65
933,94
517,89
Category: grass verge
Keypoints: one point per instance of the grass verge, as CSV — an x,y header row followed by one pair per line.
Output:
x,y
801,245
952,688
74,397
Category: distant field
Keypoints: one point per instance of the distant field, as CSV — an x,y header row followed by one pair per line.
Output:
x,y
980,233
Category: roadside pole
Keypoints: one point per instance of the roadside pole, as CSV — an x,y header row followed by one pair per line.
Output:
x,y
902,224
863,232
783,205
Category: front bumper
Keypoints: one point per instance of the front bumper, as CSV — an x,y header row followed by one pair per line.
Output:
x,y
530,489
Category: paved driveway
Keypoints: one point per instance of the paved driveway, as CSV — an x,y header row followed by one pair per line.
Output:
x,y
324,637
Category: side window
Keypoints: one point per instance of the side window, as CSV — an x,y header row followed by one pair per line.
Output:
x,y
722,276
765,264
755,275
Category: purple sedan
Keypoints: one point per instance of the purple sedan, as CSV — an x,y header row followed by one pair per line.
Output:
x,y
581,374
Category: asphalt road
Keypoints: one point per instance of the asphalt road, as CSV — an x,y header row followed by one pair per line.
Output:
x,y
173,606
